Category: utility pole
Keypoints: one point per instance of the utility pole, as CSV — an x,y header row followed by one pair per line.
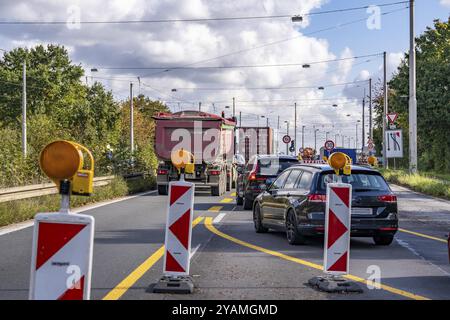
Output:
x,y
199,106
278,135
131,119
303,137
315,139
287,132
356,135
385,111
24,109
234,118
267,122
370,109
412,94
343,140
335,138
240,119
295,126
363,122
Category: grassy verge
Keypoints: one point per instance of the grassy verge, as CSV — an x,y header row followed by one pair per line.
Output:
x,y
21,210
437,185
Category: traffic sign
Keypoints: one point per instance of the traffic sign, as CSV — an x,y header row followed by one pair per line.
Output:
x,y
329,145
286,139
370,146
394,144
392,117
61,261
337,228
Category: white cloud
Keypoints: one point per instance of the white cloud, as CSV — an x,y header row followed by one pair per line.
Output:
x,y
445,3
178,44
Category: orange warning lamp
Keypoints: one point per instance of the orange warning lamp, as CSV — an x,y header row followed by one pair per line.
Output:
x,y
183,159
63,160
372,160
340,162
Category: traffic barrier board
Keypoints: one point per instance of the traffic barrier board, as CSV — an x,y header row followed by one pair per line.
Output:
x,y
179,228
61,261
337,228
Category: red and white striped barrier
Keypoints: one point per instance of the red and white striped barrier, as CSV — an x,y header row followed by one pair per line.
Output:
x,y
61,261
337,228
313,161
179,228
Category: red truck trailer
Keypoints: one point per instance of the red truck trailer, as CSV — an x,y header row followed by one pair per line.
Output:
x,y
209,137
255,140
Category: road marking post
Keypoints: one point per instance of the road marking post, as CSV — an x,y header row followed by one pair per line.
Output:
x,y
337,231
180,212
62,248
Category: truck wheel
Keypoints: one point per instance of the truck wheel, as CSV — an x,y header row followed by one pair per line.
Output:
x,y
215,191
163,190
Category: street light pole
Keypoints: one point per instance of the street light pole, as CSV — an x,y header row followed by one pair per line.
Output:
x,y
385,111
234,118
370,109
303,137
295,125
287,132
315,139
24,109
131,119
278,134
412,94
363,122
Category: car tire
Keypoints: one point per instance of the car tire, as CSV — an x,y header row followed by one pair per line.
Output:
x,y
259,228
247,203
292,234
239,201
215,192
383,240
163,190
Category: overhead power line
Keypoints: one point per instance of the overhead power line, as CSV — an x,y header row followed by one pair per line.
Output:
x,y
281,16
244,66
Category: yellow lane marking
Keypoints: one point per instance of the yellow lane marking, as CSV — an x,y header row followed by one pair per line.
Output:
x,y
233,194
209,225
137,273
422,235
226,200
215,209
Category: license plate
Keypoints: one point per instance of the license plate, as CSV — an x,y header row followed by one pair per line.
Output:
x,y
189,176
361,211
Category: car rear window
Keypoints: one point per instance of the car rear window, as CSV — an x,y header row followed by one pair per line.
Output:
x,y
360,181
274,166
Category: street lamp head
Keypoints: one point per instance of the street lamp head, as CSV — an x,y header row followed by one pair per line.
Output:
x,y
94,70
174,90
305,66
321,88
335,105
297,18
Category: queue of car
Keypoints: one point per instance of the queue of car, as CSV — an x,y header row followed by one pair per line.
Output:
x,y
286,195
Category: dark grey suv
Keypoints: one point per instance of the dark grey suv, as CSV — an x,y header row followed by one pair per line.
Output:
x,y
295,203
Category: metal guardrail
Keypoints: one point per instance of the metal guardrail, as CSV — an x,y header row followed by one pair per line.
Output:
x,y
37,190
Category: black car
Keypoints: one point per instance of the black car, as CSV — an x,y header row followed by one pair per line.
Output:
x,y
260,170
295,203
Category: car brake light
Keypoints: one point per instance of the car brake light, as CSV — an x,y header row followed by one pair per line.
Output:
x,y
214,172
163,171
387,198
317,198
252,175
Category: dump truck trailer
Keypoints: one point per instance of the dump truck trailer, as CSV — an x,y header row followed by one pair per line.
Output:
x,y
209,137
255,140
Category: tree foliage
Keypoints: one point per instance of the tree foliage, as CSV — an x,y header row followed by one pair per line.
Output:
x,y
60,106
433,99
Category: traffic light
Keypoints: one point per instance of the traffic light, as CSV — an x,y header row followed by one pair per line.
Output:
x,y
292,147
62,161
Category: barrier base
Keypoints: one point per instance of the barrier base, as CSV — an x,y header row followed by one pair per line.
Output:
x,y
172,284
335,284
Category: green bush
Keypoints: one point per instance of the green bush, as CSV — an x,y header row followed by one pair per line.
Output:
x,y
21,210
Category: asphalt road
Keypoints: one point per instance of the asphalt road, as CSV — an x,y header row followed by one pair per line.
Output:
x,y
231,261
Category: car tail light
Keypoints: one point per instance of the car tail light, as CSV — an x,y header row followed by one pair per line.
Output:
x,y
163,171
252,175
387,198
214,172
388,229
317,198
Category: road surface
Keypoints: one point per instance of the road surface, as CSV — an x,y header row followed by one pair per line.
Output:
x,y
231,261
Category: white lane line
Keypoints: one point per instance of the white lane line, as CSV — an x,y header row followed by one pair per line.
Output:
x,y
219,217
193,251
30,223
